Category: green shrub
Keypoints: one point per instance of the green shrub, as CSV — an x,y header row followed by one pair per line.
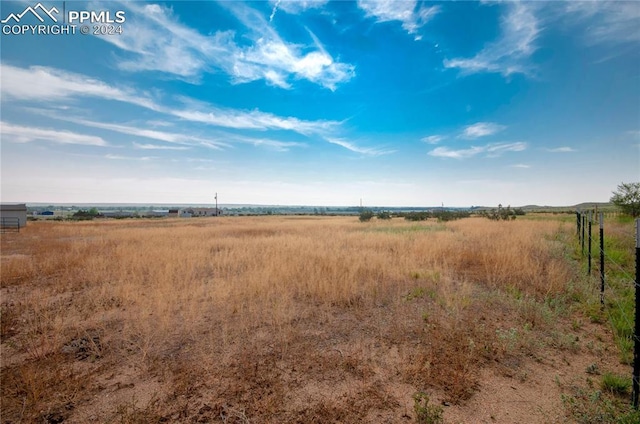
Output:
x,y
383,215
366,215
426,413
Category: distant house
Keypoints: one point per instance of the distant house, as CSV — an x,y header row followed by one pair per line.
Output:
x,y
13,215
156,214
193,212
204,211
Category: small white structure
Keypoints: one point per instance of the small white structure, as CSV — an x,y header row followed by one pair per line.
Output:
x,y
13,215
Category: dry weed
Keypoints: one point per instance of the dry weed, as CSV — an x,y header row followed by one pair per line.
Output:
x,y
266,319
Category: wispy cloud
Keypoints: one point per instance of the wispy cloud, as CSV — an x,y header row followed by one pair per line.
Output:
x,y
511,53
520,166
412,16
136,158
491,150
20,134
239,119
433,139
178,138
362,150
275,60
295,7
184,140
50,84
45,84
481,129
280,146
158,41
606,21
564,149
445,152
158,147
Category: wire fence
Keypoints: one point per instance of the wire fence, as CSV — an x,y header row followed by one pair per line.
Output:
x,y
616,279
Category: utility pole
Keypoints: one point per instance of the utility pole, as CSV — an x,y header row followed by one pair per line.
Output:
x,y
217,204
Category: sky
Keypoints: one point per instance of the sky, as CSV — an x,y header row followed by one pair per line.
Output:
x,y
329,103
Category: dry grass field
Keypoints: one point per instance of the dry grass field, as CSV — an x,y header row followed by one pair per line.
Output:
x,y
294,320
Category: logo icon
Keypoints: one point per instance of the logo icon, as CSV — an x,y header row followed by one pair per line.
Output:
x,y
34,11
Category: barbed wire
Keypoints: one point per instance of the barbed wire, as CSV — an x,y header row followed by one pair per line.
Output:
x,y
624,277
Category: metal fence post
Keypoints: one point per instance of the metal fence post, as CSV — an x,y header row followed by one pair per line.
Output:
x,y
578,223
590,239
601,259
582,236
636,335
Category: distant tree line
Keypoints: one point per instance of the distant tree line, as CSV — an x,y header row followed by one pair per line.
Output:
x,y
86,215
444,215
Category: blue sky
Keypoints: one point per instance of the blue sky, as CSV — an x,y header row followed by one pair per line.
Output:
x,y
323,103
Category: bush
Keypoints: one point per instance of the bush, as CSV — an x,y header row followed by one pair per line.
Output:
x,y
502,214
417,216
366,215
383,215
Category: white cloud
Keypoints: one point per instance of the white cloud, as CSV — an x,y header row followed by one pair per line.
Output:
x,y
295,7
280,146
184,141
20,134
159,42
51,84
564,149
405,11
433,139
496,149
607,21
158,147
511,53
140,158
521,166
178,138
362,150
54,85
257,120
481,129
491,150
445,152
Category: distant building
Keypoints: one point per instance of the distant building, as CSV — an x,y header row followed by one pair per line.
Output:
x,y
204,211
117,214
193,212
13,215
156,214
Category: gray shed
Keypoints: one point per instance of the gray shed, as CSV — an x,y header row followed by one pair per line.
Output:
x,y
13,215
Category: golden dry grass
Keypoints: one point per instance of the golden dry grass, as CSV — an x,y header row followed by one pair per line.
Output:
x,y
268,319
